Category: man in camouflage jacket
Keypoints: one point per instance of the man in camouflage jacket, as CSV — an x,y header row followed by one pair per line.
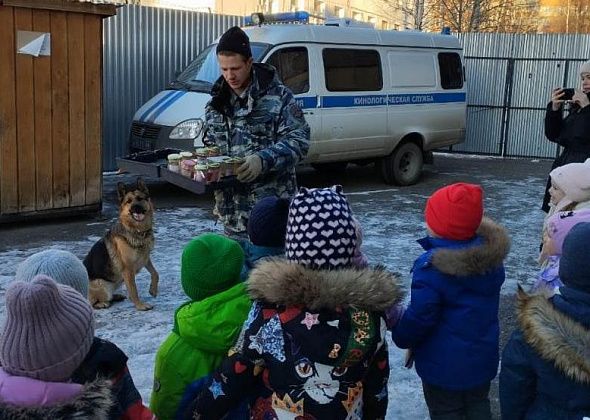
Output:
x,y
254,116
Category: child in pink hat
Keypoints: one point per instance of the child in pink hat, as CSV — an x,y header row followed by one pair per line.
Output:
x,y
557,227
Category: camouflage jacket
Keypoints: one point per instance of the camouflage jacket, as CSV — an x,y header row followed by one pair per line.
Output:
x,y
267,122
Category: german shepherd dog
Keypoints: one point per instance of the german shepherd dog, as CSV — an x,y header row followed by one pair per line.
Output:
x,y
124,251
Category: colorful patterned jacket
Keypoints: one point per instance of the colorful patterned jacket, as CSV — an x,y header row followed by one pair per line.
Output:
x,y
315,340
268,123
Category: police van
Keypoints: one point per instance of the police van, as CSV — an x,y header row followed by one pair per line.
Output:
x,y
368,95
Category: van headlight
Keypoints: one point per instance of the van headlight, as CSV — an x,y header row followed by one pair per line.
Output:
x,y
188,129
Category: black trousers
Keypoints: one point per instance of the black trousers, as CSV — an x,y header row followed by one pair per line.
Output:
x,y
470,404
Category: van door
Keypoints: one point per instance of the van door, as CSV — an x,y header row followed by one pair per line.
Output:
x,y
353,104
292,64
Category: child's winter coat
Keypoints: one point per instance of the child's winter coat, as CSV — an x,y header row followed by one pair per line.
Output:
x,y
202,334
545,371
451,324
315,339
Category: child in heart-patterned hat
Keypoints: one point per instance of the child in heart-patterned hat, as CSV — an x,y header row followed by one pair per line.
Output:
x,y
321,231
313,346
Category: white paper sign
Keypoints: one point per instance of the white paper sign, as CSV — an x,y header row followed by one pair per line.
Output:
x,y
33,43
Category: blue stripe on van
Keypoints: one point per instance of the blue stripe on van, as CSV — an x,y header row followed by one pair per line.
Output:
x,y
155,105
399,99
166,104
306,102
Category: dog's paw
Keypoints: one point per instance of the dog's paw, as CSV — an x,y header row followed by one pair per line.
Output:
x,y
154,290
141,306
101,305
117,297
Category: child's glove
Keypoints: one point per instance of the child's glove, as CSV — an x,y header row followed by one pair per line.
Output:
x,y
393,315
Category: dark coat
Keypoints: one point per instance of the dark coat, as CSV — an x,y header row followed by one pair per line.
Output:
x,y
106,361
545,371
572,133
314,339
451,323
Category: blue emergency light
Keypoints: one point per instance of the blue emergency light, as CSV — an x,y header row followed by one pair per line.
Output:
x,y
286,17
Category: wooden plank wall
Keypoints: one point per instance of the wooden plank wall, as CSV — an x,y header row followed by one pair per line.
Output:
x,y
50,113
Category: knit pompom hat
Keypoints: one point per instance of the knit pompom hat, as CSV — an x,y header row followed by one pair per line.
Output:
x,y
560,224
48,331
574,264
455,211
62,266
267,223
585,68
574,180
210,264
320,230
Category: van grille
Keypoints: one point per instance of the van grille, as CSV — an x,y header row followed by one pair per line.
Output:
x,y
145,131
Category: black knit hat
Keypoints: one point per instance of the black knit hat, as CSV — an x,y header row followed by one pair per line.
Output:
x,y
574,265
235,40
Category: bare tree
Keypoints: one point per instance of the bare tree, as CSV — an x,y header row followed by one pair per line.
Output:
x,y
571,16
467,15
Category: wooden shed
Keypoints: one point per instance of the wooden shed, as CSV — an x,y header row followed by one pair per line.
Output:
x,y
50,107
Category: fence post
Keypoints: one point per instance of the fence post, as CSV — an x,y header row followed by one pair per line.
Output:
x,y
506,106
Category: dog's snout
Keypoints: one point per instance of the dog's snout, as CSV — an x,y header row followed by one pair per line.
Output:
x,y
137,208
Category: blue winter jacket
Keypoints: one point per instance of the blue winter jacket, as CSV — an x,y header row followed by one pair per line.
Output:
x,y
451,323
546,364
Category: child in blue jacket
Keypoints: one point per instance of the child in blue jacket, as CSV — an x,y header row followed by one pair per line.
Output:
x,y
451,324
267,227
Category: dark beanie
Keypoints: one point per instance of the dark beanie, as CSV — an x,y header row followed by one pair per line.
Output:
x,y
267,224
574,265
235,40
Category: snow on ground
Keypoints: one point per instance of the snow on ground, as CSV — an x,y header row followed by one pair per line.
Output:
x,y
391,222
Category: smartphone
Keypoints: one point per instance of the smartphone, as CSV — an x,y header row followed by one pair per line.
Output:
x,y
568,94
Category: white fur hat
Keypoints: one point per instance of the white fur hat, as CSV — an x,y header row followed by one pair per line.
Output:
x,y
574,180
585,67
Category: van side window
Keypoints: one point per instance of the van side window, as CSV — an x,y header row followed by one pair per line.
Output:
x,y
292,64
352,70
451,70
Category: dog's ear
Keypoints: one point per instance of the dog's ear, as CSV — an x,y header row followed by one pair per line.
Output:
x,y
141,186
121,191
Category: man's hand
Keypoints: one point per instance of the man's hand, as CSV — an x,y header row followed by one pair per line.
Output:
x,y
250,169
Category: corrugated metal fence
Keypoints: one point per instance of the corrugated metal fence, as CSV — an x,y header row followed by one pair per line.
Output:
x,y
510,78
143,49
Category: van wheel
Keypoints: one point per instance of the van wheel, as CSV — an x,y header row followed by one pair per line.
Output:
x,y
329,167
403,166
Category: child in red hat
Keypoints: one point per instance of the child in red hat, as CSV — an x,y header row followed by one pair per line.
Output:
x,y
451,323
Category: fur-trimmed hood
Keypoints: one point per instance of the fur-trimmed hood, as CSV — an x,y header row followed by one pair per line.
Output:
x,y
475,260
553,335
94,402
282,282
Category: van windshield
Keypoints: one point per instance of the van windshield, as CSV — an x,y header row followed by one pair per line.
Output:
x,y
204,70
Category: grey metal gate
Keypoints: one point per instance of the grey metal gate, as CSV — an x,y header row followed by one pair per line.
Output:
x,y
509,80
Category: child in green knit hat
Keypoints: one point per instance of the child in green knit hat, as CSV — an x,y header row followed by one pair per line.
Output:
x,y
206,326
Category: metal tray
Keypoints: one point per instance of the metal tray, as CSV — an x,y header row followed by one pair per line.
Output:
x,y
148,163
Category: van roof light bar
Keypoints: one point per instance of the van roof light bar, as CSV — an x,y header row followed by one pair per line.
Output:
x,y
257,19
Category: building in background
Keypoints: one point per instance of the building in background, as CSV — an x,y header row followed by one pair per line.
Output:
x,y
383,14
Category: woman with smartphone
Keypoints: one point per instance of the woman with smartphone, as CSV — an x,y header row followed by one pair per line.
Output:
x,y
573,131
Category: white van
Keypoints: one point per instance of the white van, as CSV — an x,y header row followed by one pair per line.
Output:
x,y
368,95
